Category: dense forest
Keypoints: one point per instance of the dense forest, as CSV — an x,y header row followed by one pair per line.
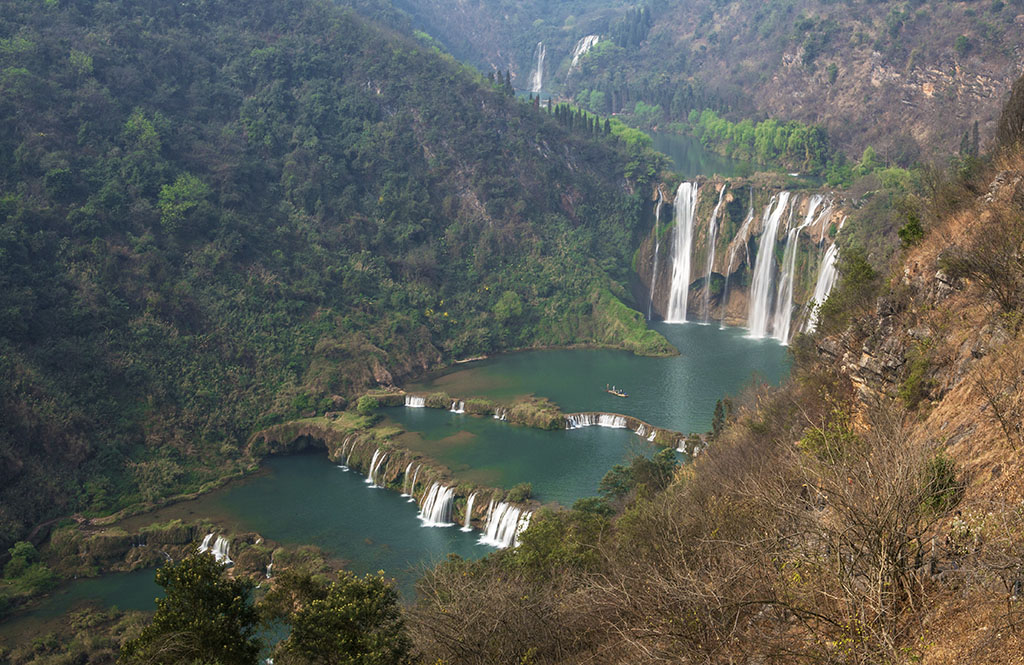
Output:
x,y
214,216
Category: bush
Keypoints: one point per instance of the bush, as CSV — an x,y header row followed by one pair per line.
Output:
x,y
520,493
367,405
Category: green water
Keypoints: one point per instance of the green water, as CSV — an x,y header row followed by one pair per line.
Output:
x,y
306,499
690,159
562,466
677,393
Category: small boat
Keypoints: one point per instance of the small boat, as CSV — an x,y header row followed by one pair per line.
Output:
x,y
612,390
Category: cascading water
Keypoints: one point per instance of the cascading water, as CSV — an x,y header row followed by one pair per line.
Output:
x,y
827,274
458,407
712,237
501,413
581,48
657,248
732,254
405,480
579,420
504,524
682,243
784,296
412,486
375,463
415,402
469,512
218,546
761,286
437,506
537,77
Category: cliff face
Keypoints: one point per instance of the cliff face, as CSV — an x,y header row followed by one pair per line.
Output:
x,y
908,79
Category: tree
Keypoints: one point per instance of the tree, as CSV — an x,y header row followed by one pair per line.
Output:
x,y
355,621
203,617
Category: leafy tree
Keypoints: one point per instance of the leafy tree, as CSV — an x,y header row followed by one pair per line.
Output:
x,y
353,621
203,617
367,405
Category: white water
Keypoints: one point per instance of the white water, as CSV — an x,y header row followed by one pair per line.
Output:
x,y
412,487
657,249
784,295
682,244
578,420
732,254
218,546
827,274
415,402
458,407
405,480
504,524
501,413
581,48
348,456
437,506
537,77
469,512
761,286
376,462
270,566
712,236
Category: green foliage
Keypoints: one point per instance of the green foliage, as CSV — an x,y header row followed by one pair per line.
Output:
x,y
942,487
834,440
352,620
643,475
520,493
962,45
180,203
723,411
856,290
792,144
558,541
203,617
367,405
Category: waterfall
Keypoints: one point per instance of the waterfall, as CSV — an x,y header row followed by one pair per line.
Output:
x,y
504,524
437,506
641,431
218,546
348,456
783,318
270,566
537,77
581,48
712,235
682,242
657,247
827,274
412,487
469,512
405,480
578,420
458,407
732,254
344,447
501,413
375,463
415,402
761,287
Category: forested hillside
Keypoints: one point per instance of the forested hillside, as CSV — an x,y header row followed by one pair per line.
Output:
x,y
215,215
909,78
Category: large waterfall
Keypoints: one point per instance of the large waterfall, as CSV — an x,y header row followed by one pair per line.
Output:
x,y
469,513
504,524
682,244
582,46
761,286
537,77
657,248
827,274
784,295
437,506
712,236
218,546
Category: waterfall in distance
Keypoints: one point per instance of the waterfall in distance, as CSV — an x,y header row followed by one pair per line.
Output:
x,y
412,486
827,275
376,462
732,255
414,402
504,524
537,77
218,546
469,513
582,46
764,264
783,317
712,236
682,245
657,247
